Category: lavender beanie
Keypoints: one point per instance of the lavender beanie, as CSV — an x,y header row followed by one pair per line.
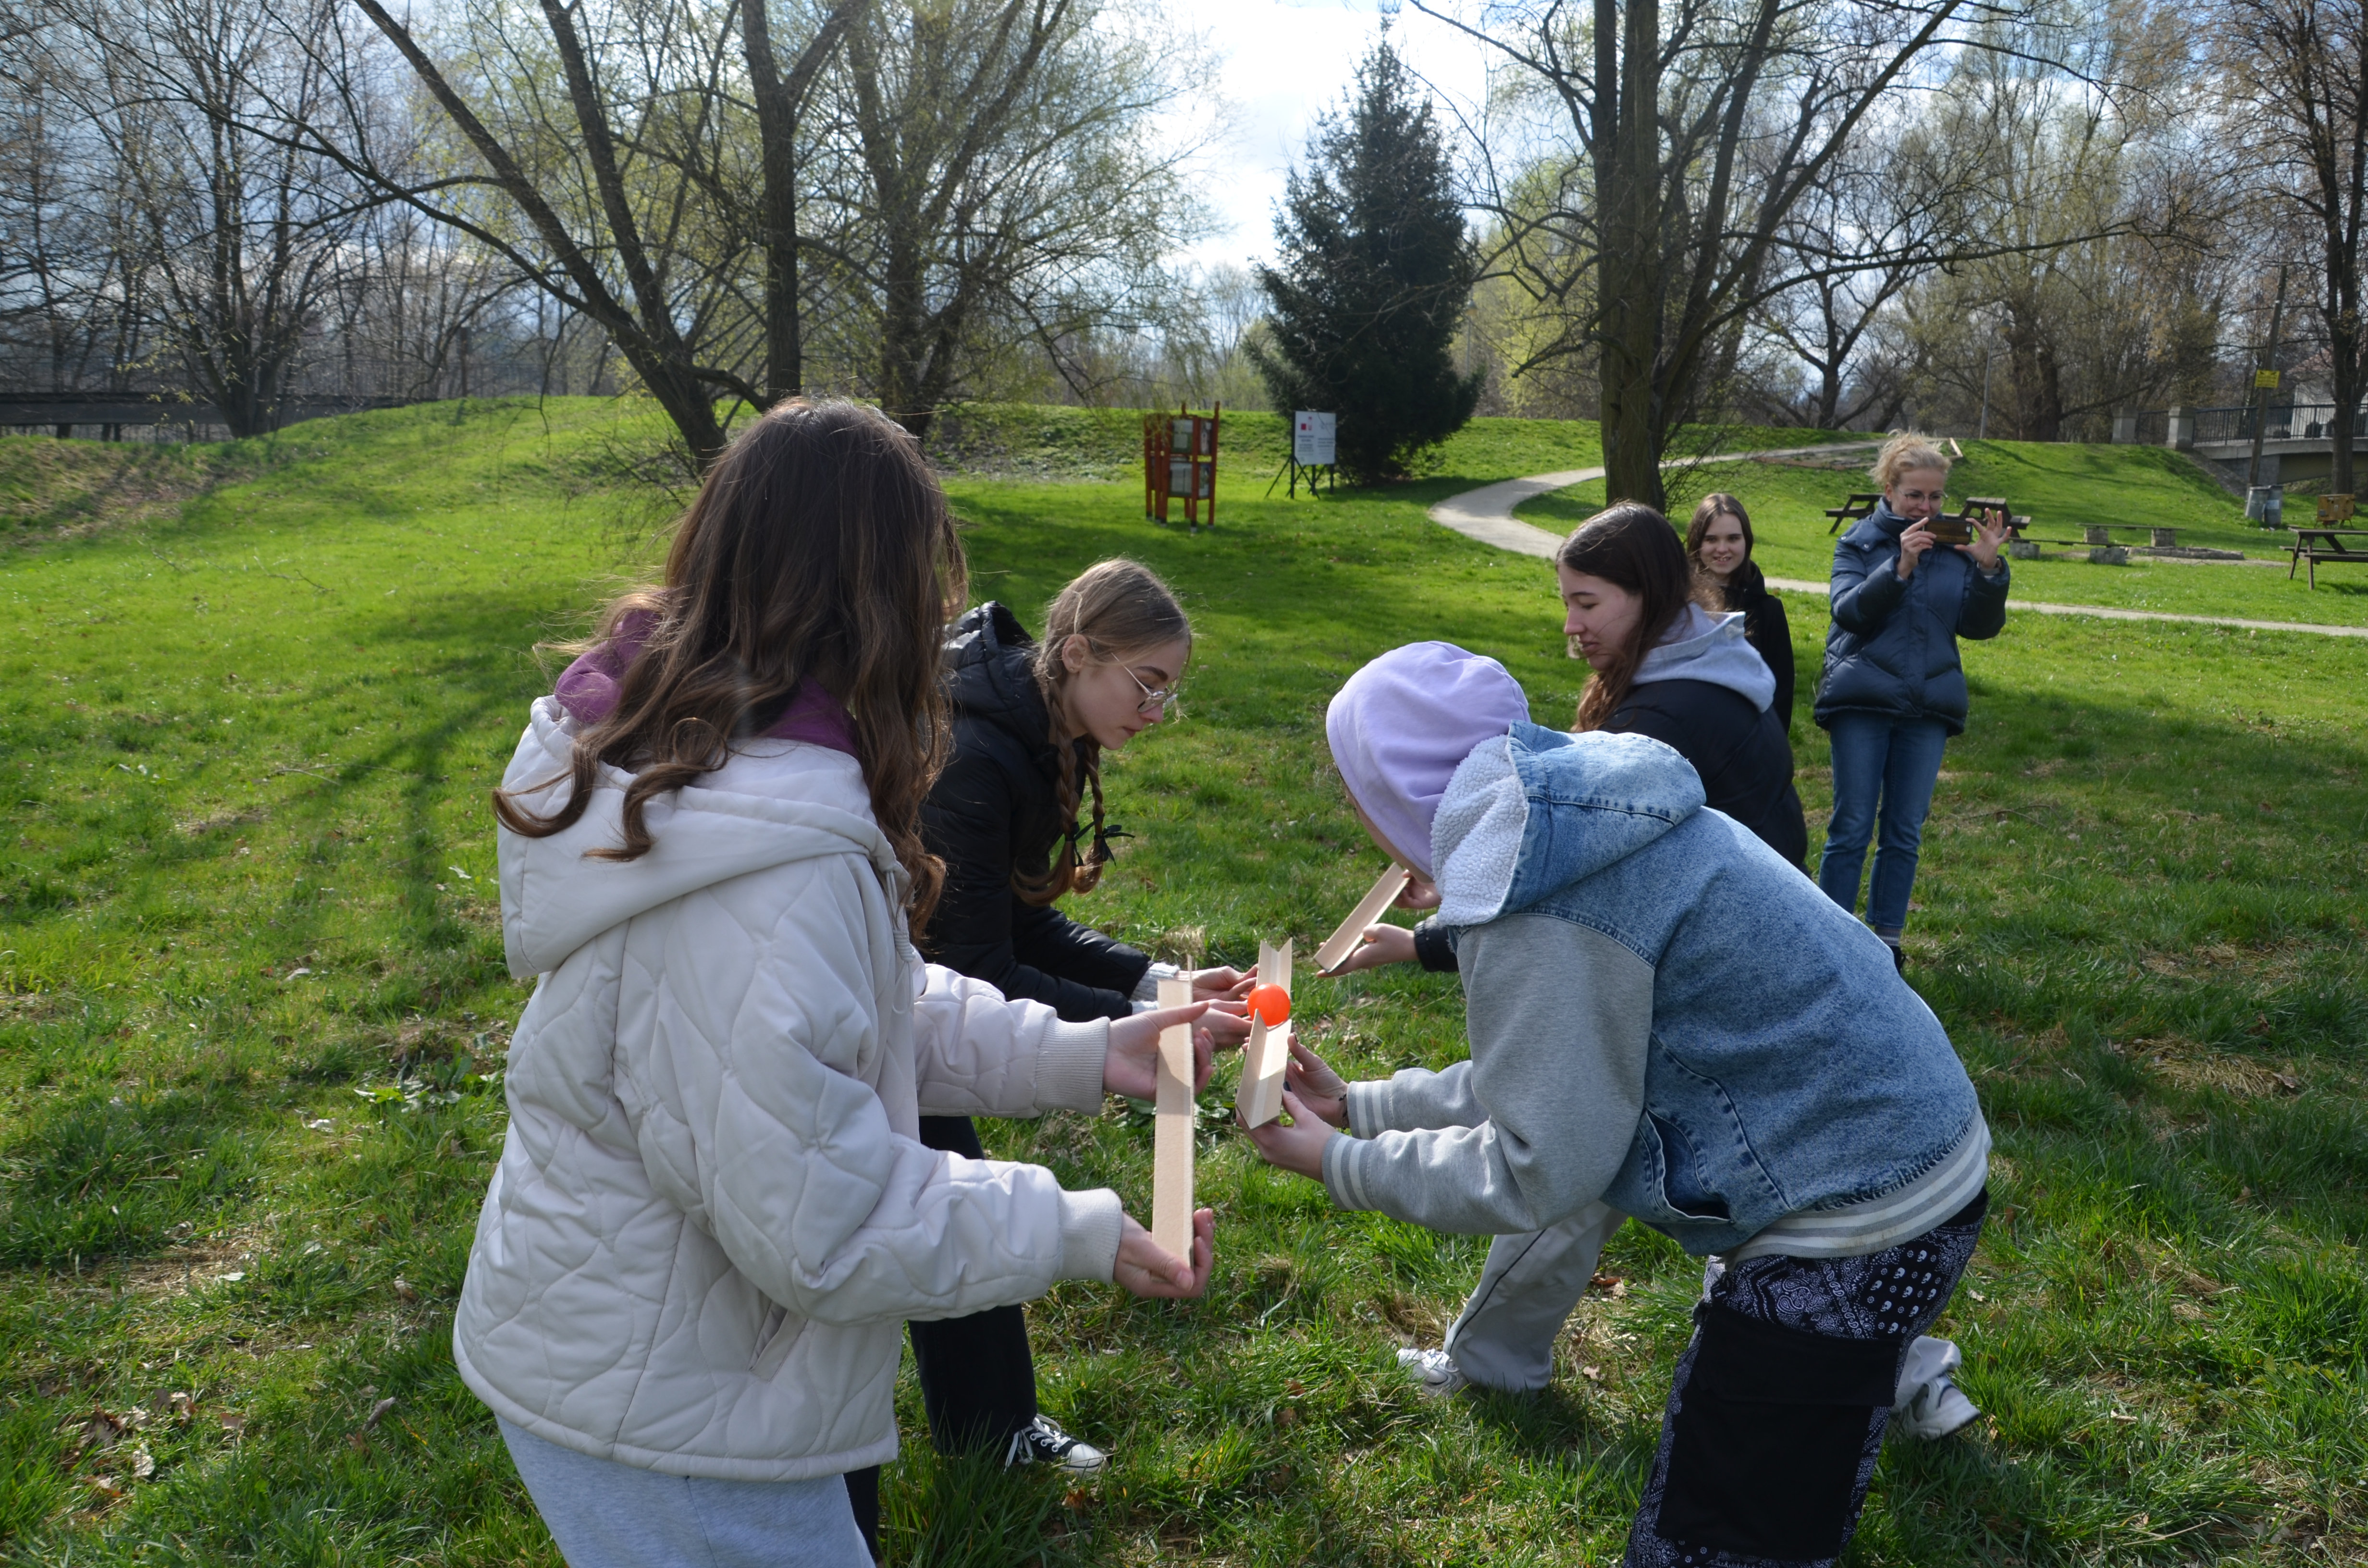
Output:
x,y
1405,722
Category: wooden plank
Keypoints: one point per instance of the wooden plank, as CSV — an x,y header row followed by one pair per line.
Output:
x,y
1260,1096
1171,1155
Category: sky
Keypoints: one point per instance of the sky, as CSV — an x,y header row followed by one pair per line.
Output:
x,y
1279,65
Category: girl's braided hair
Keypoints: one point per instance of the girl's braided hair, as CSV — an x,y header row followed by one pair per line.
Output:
x,y
1124,611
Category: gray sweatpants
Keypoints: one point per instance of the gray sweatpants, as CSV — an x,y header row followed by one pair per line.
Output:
x,y
607,1515
1504,1338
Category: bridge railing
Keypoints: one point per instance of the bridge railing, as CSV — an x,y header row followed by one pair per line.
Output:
x,y
2277,422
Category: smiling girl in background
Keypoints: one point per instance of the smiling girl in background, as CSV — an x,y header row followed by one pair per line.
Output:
x,y
1719,544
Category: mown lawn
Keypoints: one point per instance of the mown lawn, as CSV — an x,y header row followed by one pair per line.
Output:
x,y
252,1011
2061,488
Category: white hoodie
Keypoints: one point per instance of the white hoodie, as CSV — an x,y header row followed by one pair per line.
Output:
x,y
712,1212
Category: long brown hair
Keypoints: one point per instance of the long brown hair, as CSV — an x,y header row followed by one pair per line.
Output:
x,y
1124,611
1708,589
1630,546
818,548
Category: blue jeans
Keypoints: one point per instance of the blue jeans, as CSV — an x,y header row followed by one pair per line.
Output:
x,y
1893,762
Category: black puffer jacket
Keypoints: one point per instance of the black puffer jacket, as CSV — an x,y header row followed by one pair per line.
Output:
x,y
997,807
1740,751
1765,628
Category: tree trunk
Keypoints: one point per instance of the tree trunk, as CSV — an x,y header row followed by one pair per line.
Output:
x,y
777,128
1628,188
781,102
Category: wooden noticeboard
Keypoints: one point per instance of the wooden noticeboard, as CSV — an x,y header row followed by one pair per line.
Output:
x,y
1179,464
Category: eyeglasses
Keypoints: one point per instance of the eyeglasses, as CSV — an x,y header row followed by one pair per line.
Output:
x,y
1154,703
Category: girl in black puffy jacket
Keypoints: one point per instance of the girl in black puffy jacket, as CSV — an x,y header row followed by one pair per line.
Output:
x,y
1017,818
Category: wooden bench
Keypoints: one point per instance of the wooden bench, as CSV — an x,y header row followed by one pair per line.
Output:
x,y
1860,506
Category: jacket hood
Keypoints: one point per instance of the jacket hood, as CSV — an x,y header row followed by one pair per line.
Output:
x,y
1537,809
774,801
990,674
1713,648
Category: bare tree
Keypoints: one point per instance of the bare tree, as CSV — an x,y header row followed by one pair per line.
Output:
x,y
587,145
998,183
1666,150
2299,73
225,243
1856,241
69,303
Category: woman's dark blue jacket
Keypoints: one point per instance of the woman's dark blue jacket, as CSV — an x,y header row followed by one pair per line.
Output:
x,y
1892,650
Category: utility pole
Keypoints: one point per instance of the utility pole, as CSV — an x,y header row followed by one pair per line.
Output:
x,y
2256,506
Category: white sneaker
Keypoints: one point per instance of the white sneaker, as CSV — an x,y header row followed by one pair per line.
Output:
x,y
1042,1442
1434,1373
1928,1403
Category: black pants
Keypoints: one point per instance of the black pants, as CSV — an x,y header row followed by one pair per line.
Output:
x,y
978,1382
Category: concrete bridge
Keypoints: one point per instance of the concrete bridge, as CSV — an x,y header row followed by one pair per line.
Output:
x,y
2297,438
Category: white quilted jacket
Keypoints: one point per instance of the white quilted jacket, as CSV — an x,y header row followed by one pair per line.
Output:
x,y
711,1214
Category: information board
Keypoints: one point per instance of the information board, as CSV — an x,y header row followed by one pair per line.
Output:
x,y
1312,438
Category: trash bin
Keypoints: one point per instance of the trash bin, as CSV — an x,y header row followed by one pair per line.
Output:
x,y
2265,504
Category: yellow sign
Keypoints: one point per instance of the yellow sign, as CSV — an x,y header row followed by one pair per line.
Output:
x,y
2266,380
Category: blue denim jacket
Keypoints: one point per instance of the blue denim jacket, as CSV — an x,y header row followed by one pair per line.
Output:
x,y
1788,1068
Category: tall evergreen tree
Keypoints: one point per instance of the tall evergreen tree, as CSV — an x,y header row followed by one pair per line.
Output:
x,y
1376,272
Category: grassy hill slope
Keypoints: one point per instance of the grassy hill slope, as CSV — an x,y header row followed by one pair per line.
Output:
x,y
252,1012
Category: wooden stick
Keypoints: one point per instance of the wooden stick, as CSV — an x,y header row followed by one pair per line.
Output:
x,y
1260,1096
1344,938
1171,1159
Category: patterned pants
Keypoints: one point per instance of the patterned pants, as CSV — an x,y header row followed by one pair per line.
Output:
x,y
1775,1419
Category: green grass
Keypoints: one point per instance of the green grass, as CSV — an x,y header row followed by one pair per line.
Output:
x,y
1037,442
2061,488
255,740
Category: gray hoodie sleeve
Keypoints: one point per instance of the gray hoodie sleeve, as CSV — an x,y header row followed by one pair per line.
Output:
x,y
1413,1098
1559,1014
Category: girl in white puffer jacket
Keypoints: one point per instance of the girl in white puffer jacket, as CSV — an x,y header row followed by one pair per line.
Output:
x,y
713,1214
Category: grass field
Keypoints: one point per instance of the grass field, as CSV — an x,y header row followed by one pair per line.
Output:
x,y
252,1012
2062,488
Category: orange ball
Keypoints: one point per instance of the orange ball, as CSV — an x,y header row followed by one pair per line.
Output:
x,y
1270,1004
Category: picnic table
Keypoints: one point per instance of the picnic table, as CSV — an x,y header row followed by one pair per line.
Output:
x,y
1860,505
2313,544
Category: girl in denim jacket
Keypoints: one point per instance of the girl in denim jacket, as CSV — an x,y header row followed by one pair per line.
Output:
x,y
1667,1021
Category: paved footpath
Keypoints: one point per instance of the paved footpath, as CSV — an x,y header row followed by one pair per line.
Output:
x,y
1487,515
